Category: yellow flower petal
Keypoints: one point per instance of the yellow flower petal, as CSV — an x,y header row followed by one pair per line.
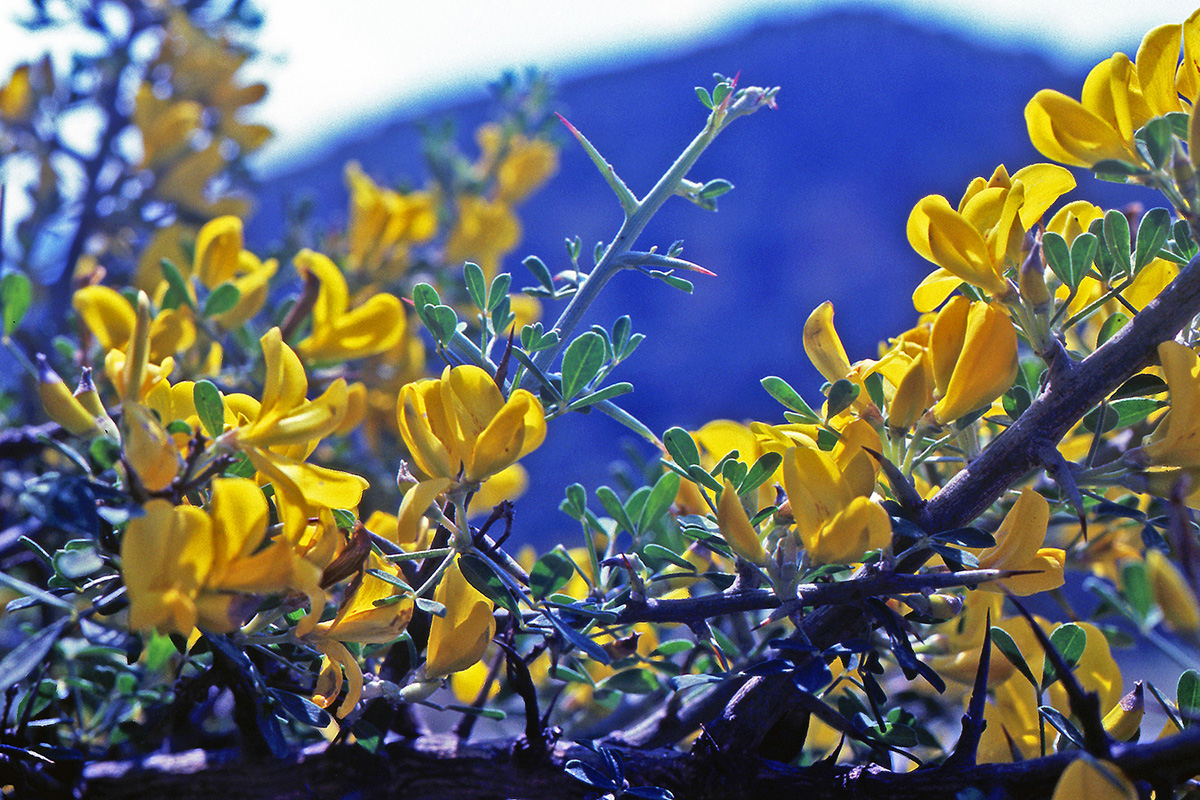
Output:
x,y
459,639
735,526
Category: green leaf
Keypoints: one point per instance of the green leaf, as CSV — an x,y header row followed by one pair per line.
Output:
x,y
734,471
1116,321
674,281
841,394
551,572
105,452
1151,236
656,552
441,321
622,328
760,472
581,362
78,562
481,574
1187,697
344,519
30,653
631,681
476,285
681,446
658,501
612,504
1058,258
1083,254
715,188
1069,640
498,292
1062,724
700,475
789,397
177,288
874,384
1116,236
576,503
16,294
389,578
705,98
1140,385
1005,644
1016,400
300,708
495,714
1122,413
540,272
1157,138
210,407
1114,169
600,395
431,607
1136,588
721,91
425,295
221,299
593,650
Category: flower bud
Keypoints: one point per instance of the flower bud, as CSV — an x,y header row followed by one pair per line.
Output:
x,y
1172,593
1032,280
87,395
62,406
149,449
734,524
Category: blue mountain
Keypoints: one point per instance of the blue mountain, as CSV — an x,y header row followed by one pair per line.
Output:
x,y
875,112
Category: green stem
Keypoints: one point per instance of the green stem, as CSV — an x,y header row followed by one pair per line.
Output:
x,y
611,262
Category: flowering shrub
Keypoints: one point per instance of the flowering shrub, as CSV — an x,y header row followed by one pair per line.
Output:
x,y
275,511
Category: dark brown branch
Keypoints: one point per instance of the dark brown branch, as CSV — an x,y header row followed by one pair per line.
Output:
x,y
1063,402
441,766
765,700
809,595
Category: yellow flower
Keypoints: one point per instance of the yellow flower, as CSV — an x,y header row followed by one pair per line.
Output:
x,y
835,517
166,125
1118,98
458,640
286,418
220,259
460,426
1019,547
186,184
63,406
1014,716
973,350
1176,440
983,237
520,164
735,526
383,223
338,333
111,319
1095,780
148,448
484,232
368,614
186,567
16,96
1172,593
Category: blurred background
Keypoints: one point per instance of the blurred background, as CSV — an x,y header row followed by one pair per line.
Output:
x,y
881,104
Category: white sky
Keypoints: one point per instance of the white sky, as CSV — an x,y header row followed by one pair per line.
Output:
x,y
347,61
335,64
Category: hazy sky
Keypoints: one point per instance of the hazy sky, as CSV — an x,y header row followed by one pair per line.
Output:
x,y
335,64
347,60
